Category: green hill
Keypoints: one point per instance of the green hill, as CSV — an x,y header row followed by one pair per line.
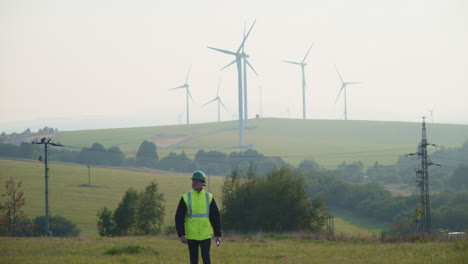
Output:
x,y
328,142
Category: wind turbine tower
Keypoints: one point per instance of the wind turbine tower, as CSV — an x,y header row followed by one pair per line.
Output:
x,y
431,111
343,87
303,64
238,59
186,87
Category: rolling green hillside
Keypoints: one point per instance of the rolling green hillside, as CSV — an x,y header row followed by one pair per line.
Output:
x,y
71,197
329,142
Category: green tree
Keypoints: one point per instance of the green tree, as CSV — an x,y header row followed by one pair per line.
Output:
x,y
308,165
277,202
105,224
147,155
458,180
115,156
212,162
150,214
139,213
352,172
11,212
125,214
176,162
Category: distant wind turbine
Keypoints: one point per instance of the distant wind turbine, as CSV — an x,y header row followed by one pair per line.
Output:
x,y
238,59
431,111
220,102
245,63
302,64
186,87
343,87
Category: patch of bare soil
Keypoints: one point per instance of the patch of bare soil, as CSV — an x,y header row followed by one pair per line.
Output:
x,y
169,140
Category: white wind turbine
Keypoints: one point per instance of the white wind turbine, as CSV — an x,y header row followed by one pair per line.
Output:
x,y
431,111
186,87
302,64
245,63
343,87
238,59
220,102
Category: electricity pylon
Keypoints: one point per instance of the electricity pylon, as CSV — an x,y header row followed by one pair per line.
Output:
x,y
422,180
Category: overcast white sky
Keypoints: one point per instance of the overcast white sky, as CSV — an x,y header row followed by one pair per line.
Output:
x,y
110,63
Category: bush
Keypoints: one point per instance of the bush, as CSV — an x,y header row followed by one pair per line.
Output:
x,y
58,225
139,213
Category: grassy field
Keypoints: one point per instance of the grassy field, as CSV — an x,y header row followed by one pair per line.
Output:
x,y
347,223
259,249
329,142
73,198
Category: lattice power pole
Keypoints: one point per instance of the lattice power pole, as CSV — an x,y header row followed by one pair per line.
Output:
x,y
46,142
422,179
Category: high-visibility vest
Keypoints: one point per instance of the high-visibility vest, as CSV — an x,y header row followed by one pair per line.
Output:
x,y
197,220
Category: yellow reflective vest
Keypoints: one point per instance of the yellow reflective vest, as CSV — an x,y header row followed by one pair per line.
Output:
x,y
197,219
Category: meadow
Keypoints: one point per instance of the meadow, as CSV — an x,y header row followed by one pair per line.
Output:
x,y
255,249
328,142
72,197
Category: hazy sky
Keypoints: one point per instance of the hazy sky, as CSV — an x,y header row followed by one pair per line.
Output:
x,y
110,63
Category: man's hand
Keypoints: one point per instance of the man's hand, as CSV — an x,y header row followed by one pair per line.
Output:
x,y
218,241
183,239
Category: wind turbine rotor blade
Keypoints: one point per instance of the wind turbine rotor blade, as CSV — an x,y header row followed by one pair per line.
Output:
x,y
179,87
210,101
221,102
219,82
248,63
305,57
245,38
223,51
353,82
228,65
342,87
339,75
292,62
186,79
190,95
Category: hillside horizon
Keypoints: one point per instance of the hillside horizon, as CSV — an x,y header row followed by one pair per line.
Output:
x,y
329,142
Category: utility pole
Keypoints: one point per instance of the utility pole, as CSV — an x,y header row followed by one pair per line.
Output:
x,y
89,173
46,142
422,180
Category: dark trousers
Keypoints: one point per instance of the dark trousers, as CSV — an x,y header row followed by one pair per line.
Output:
x,y
193,246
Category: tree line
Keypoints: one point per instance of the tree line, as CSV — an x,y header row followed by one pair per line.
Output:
x,y
212,162
449,210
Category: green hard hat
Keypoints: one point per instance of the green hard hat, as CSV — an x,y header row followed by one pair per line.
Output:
x,y
199,175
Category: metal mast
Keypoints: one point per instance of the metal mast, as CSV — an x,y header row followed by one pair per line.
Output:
x,y
46,142
422,179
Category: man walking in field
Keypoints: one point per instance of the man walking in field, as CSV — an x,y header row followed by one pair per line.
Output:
x,y
196,216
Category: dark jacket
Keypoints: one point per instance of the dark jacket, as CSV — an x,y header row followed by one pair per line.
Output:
x,y
215,218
